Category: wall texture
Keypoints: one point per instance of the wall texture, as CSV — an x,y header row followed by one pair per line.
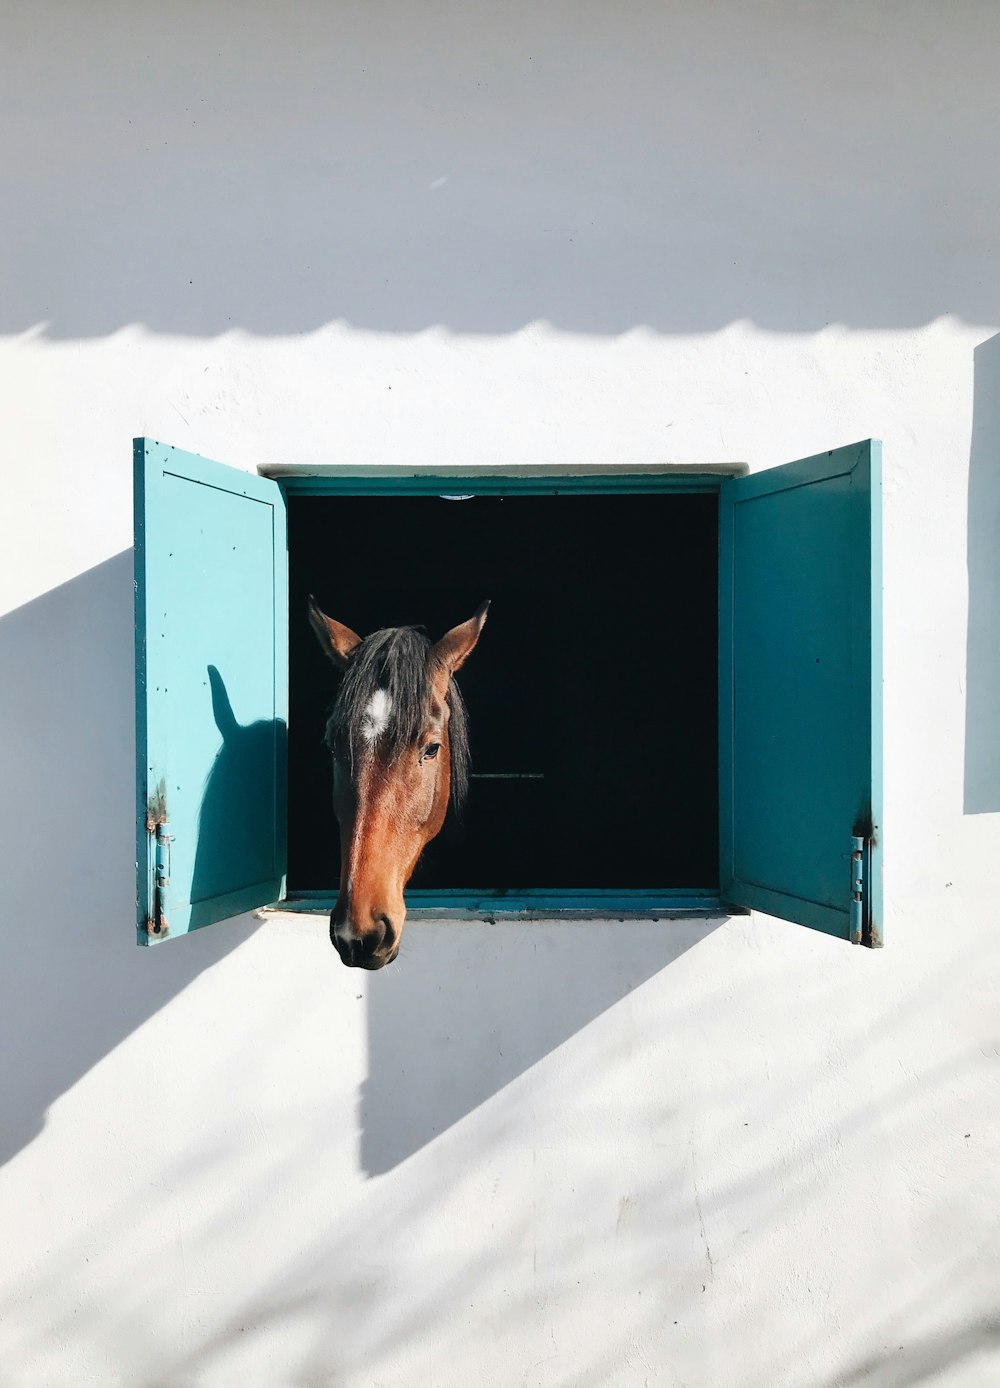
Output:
x,y
718,1154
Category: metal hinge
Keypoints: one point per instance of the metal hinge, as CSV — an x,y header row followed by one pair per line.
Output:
x,y
861,910
160,840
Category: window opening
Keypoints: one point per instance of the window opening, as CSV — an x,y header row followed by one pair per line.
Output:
x,y
593,694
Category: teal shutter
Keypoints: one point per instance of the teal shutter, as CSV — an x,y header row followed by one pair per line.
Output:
x,y
211,628
800,692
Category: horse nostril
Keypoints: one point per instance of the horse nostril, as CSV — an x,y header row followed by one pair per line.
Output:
x,y
343,944
388,934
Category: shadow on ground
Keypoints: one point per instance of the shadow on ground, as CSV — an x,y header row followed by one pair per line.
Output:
x,y
73,983
982,695
466,1009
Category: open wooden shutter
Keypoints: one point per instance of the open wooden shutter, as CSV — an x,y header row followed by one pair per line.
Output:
x,y
800,736
211,625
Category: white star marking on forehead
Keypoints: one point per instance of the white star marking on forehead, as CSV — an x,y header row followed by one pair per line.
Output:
x,y
376,716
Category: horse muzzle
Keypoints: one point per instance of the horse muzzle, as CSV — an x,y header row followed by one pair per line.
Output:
x,y
369,949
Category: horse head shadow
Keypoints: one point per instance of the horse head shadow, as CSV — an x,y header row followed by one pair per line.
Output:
x,y
240,836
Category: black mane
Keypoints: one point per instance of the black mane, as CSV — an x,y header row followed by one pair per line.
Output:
x,y
400,661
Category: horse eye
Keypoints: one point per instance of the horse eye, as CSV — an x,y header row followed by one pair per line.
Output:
x,y
432,749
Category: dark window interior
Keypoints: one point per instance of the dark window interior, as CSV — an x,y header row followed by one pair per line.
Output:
x,y
592,694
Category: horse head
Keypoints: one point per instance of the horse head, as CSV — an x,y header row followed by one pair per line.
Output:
x,y
399,741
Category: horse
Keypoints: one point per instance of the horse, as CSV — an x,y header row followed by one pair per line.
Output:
x,y
398,735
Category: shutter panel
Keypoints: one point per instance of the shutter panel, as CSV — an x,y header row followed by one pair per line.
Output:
x,y
800,698
211,625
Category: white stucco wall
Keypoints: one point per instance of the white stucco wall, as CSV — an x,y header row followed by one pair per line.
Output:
x,y
719,1155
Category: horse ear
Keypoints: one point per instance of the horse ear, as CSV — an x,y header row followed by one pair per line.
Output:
x,y
336,641
455,646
